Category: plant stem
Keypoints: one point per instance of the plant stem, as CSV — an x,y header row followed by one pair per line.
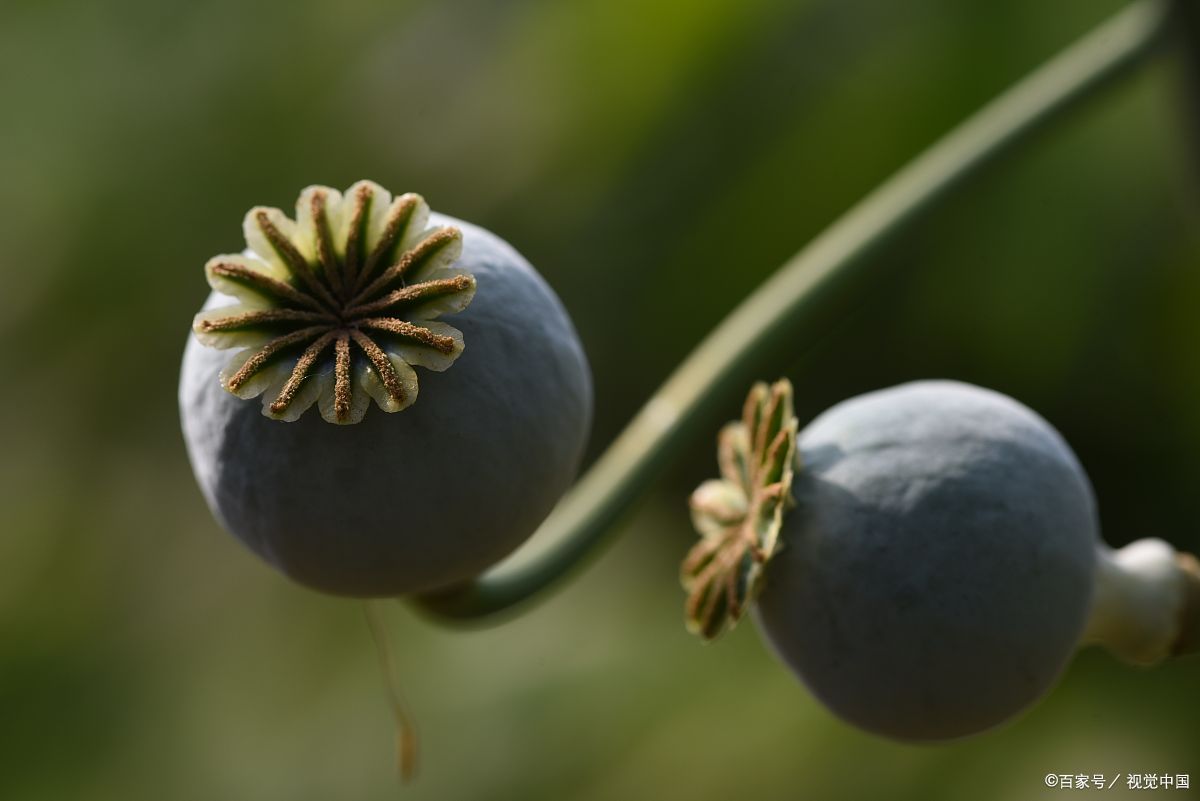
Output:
x,y
406,731
1185,23
793,305
1146,605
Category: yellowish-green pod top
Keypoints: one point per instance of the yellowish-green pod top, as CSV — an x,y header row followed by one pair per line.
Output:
x,y
337,306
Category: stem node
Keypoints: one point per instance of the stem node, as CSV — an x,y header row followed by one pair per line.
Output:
x,y
1146,603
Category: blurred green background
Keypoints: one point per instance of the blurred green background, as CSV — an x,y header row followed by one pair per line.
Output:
x,y
627,147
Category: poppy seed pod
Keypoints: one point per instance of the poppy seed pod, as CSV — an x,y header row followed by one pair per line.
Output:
x,y
938,568
336,309
936,572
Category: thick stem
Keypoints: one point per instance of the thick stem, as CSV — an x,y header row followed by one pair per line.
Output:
x,y
1185,25
793,305
1146,605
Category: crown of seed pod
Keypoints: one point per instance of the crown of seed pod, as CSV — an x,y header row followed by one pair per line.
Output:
x,y
355,275
336,308
739,516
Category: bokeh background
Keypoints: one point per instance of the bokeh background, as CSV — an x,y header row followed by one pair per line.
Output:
x,y
626,147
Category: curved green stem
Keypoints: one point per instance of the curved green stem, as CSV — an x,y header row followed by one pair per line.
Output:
x,y
793,305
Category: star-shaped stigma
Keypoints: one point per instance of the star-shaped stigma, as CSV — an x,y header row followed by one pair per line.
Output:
x,y
338,305
739,515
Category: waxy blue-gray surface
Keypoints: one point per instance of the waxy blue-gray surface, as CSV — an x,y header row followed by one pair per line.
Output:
x,y
937,571
422,498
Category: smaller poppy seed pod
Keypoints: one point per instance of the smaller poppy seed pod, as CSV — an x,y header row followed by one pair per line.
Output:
x,y
940,566
408,484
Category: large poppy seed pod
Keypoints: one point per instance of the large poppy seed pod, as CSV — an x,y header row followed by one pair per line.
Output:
x,y
936,572
388,490
938,567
